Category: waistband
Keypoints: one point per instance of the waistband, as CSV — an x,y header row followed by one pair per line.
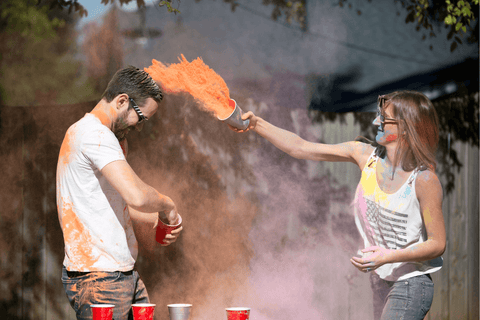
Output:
x,y
73,274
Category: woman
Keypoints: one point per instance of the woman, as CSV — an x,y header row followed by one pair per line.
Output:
x,y
398,202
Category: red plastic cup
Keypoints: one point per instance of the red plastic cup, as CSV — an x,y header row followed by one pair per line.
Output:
x,y
238,313
102,311
163,229
143,311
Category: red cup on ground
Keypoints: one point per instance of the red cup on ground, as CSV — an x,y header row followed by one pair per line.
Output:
x,y
163,229
238,313
143,311
102,311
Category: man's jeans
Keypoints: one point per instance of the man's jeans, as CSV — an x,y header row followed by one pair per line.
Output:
x,y
121,289
408,299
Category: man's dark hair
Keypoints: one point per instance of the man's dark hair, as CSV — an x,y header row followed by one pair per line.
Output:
x,y
136,83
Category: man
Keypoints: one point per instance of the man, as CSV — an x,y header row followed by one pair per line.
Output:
x,y
98,196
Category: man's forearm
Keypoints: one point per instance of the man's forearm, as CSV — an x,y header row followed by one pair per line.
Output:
x,y
153,201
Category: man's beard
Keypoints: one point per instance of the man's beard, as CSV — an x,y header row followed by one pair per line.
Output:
x,y
120,130
122,134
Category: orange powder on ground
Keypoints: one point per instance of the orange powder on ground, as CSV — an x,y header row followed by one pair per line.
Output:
x,y
197,79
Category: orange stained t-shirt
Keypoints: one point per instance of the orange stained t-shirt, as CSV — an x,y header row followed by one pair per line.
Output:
x,y
95,222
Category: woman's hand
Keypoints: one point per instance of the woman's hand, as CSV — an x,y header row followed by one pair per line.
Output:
x,y
253,122
378,257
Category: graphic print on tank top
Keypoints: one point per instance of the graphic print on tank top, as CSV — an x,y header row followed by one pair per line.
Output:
x,y
392,221
386,227
389,226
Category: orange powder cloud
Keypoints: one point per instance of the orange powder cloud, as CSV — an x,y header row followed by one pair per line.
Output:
x,y
197,79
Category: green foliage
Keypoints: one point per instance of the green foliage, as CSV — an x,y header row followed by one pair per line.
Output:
x,y
168,4
70,5
75,6
294,10
26,18
457,16
37,56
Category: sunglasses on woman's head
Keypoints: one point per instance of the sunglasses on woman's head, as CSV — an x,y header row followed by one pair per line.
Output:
x,y
381,103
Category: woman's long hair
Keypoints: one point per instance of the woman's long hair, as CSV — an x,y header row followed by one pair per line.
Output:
x,y
417,129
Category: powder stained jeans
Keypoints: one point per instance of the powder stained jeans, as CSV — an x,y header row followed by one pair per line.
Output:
x,y
409,299
119,288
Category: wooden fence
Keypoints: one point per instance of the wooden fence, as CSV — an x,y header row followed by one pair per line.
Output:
x,y
457,283
31,243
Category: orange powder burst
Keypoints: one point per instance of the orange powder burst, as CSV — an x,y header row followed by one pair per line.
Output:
x,y
197,79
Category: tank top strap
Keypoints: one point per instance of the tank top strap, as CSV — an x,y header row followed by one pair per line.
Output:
x,y
372,161
412,177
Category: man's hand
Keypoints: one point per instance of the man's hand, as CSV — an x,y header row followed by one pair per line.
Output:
x,y
145,227
172,237
173,217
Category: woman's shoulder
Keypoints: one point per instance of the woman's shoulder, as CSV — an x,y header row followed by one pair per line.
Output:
x,y
363,149
426,176
427,183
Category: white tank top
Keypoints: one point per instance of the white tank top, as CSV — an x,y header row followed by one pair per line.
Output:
x,y
392,221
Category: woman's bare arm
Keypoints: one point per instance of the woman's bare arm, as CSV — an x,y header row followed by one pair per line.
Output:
x,y
292,144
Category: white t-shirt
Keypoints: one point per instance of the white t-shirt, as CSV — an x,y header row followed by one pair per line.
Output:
x,y
96,225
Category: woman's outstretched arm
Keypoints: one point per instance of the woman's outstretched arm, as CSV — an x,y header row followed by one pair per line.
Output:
x,y
288,142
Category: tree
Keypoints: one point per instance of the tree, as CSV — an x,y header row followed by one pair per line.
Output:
x,y
103,50
459,16
75,6
293,10
37,57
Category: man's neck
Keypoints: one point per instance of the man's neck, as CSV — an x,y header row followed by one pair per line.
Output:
x,y
106,113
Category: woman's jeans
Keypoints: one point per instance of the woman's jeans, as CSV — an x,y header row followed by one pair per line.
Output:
x,y
121,289
408,299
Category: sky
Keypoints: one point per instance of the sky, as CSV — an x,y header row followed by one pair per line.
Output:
x,y
96,9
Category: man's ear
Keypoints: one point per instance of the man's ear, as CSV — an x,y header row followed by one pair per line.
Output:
x,y
122,101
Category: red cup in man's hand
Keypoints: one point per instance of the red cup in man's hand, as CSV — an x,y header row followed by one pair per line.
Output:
x,y
163,229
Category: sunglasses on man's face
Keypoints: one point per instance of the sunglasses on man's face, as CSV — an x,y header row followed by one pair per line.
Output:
x,y
140,115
